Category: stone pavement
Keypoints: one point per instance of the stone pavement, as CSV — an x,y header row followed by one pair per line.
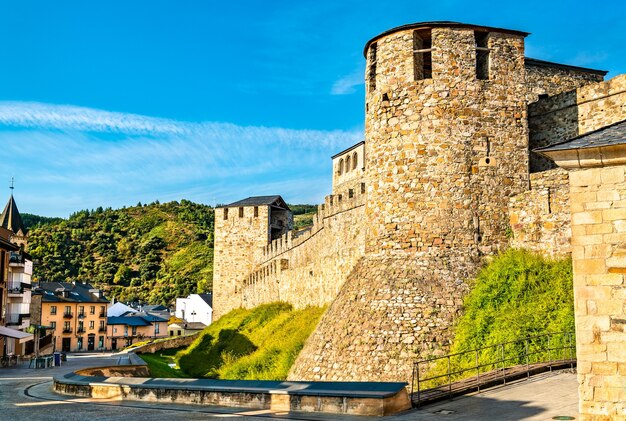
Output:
x,y
25,394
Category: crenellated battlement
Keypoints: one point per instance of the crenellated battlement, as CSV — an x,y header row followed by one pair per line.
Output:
x,y
334,204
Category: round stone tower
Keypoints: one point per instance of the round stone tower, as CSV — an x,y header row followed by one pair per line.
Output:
x,y
446,139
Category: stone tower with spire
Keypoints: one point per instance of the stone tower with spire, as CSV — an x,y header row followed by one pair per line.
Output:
x,y
12,220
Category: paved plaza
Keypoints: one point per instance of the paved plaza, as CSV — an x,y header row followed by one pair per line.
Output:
x,y
25,394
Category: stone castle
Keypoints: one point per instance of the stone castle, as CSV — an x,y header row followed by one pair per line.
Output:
x,y
445,176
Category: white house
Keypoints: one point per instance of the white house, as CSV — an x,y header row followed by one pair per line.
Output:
x,y
195,308
119,309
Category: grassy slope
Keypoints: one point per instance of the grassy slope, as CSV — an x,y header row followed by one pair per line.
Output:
x,y
159,364
518,295
261,343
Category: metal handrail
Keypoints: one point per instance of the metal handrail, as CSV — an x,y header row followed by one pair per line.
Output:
x,y
527,353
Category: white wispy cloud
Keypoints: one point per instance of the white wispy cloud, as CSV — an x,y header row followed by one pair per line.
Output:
x,y
347,84
94,158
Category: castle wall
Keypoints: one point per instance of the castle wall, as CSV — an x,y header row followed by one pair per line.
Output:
x,y
574,113
598,203
540,217
550,79
309,267
443,156
238,245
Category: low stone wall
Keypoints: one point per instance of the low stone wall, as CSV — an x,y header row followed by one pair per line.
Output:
x,y
540,217
171,343
116,371
373,399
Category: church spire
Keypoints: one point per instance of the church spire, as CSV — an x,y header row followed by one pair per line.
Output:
x,y
11,218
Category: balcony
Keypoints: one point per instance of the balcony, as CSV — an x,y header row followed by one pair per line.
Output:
x,y
16,319
102,329
80,330
67,315
102,314
67,330
81,315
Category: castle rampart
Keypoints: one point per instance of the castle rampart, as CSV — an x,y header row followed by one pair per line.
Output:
x,y
308,268
574,113
441,181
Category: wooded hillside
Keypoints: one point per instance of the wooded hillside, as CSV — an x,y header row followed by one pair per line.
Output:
x,y
152,253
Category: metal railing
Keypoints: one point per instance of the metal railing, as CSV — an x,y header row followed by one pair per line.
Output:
x,y
455,374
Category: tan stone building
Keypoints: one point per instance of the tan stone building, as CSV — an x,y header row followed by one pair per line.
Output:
x,y
444,177
75,313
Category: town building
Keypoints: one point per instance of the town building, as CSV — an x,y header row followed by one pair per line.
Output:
x,y
196,308
445,177
74,313
132,327
178,327
16,295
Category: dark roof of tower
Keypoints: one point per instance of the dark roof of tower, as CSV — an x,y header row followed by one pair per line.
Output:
x,y
542,63
11,218
615,134
439,24
276,201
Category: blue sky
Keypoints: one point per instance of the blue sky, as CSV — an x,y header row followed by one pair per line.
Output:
x,y
114,102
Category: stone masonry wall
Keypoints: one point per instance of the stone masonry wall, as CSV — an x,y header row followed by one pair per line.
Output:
x,y
574,113
544,79
385,318
540,217
598,201
238,245
309,267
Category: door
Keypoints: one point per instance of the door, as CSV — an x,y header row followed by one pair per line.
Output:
x,y
113,344
91,343
66,344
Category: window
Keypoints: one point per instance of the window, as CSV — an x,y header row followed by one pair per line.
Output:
x,y
81,310
340,167
101,325
241,212
68,310
156,328
225,213
482,55
371,71
102,311
348,166
134,330
92,309
354,160
53,310
91,324
256,211
114,330
179,333
81,326
53,325
125,330
422,54
66,327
